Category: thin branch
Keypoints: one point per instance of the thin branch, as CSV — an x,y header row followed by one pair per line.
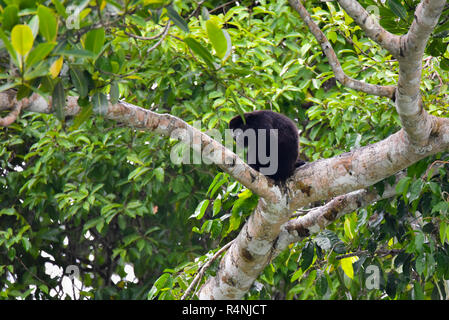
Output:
x,y
379,252
222,6
135,36
371,26
12,116
340,75
203,269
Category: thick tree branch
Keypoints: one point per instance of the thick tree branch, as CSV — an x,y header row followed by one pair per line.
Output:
x,y
414,118
166,125
363,167
340,75
319,218
371,26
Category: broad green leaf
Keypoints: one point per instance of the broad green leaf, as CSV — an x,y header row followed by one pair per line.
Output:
x,y
415,189
10,17
22,39
346,265
56,67
8,85
200,209
9,47
444,64
114,92
321,284
198,49
398,9
39,53
418,292
48,24
217,38
39,71
348,228
137,172
177,19
58,100
216,207
34,26
94,40
403,184
100,103
443,232
60,8
159,174
77,53
79,81
161,2
307,255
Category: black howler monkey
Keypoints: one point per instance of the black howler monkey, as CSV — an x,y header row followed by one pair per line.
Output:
x,y
287,141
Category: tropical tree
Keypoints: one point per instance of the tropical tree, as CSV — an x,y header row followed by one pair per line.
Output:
x,y
98,194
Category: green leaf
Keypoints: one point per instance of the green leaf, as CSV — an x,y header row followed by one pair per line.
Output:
x,y
114,92
93,223
77,53
214,182
216,207
346,266
58,100
22,39
48,24
9,47
79,81
81,117
217,38
402,186
100,103
60,8
321,284
40,71
444,64
398,9
307,255
177,19
39,53
94,40
415,189
200,209
8,85
10,17
159,174
137,172
418,292
443,231
198,49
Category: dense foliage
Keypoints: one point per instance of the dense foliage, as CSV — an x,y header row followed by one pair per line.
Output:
x,y
88,197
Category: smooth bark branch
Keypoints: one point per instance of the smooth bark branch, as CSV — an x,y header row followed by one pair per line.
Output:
x,y
414,118
319,218
249,254
340,75
371,26
363,167
166,125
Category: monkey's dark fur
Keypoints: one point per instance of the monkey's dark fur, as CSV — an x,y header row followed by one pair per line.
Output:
x,y
288,139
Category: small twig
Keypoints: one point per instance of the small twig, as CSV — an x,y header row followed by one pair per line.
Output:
x,y
204,268
135,36
12,116
382,252
223,6
32,273
439,163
